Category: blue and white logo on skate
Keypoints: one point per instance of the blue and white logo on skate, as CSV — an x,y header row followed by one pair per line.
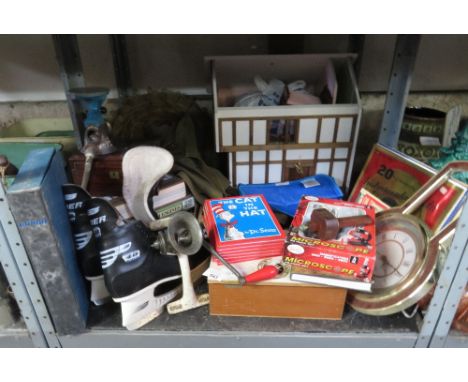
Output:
x,y
82,239
97,232
71,216
93,211
109,256
74,206
98,220
69,197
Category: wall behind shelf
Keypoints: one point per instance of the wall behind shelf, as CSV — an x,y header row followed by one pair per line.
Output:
x,y
29,71
30,85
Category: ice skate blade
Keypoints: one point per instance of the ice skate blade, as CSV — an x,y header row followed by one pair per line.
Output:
x,y
142,307
184,304
99,293
189,299
151,316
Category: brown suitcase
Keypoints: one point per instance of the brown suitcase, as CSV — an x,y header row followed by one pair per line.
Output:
x,y
106,175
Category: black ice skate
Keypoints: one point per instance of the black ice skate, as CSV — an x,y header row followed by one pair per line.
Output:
x,y
138,277
103,217
85,244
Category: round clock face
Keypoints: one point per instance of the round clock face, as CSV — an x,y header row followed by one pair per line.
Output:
x,y
404,265
396,255
400,245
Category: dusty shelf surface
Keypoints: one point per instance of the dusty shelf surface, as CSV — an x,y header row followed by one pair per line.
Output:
x,y
13,331
108,317
10,319
457,338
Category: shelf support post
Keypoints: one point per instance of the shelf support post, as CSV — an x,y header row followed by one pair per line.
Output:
x,y
68,57
448,290
404,58
356,45
123,81
22,280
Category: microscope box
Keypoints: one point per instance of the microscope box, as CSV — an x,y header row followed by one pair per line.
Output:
x,y
346,260
36,202
278,297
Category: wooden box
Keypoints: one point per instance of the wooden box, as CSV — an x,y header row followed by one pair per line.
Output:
x,y
317,138
273,300
278,297
106,175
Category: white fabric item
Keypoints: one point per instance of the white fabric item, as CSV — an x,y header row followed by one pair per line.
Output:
x,y
142,167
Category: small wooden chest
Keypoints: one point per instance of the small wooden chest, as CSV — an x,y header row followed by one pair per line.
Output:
x,y
277,297
106,175
274,300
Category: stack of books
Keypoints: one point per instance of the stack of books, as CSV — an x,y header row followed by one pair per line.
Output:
x,y
170,196
243,228
341,257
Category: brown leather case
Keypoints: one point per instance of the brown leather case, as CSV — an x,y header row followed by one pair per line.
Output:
x,y
106,175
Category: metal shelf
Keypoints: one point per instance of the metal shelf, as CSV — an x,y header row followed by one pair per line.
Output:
x,y
354,329
456,339
13,330
197,328
454,275
22,280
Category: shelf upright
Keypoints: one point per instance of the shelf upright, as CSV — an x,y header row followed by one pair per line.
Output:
x,y
452,280
118,43
448,290
22,280
68,57
404,58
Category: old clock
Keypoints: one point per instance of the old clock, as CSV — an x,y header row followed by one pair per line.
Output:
x,y
406,254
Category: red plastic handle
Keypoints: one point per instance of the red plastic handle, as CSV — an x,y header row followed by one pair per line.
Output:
x,y
266,273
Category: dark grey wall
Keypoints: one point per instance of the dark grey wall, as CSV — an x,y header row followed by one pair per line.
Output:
x,y
29,72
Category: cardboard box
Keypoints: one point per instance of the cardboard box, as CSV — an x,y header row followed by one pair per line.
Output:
x,y
36,202
347,259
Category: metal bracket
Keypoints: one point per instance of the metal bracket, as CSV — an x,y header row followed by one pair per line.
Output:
x,y
356,45
406,49
286,44
121,65
22,280
459,277
71,72
448,290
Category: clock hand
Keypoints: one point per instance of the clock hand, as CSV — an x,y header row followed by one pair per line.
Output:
x,y
385,261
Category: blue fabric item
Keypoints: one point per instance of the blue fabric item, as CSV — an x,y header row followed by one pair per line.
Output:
x,y
285,196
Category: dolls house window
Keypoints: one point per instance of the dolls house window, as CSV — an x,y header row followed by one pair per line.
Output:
x,y
282,131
